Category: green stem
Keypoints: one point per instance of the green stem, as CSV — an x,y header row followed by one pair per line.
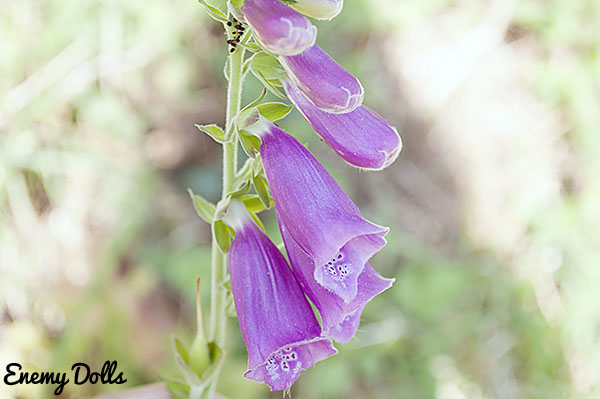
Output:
x,y
218,316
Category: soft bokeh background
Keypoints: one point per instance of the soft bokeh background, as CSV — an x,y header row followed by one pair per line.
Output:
x,y
493,204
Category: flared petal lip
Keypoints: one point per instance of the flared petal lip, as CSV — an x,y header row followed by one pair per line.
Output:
x,y
380,231
282,47
293,344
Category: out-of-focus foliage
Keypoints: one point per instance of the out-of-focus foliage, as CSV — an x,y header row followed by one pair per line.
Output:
x,y
493,204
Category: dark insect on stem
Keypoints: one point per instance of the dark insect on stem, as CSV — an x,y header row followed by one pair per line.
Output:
x,y
236,34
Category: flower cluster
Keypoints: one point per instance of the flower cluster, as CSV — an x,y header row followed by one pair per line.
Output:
x,y
327,239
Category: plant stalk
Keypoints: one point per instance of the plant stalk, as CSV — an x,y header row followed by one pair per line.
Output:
x,y
219,266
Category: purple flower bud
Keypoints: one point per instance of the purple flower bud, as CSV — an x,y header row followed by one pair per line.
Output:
x,y
319,9
281,332
339,320
280,29
323,81
361,137
317,213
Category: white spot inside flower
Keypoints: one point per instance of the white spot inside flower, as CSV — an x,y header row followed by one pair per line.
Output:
x,y
286,361
337,270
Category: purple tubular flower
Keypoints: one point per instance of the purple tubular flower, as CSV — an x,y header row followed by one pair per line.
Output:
x,y
319,9
280,29
339,320
361,137
323,81
281,332
318,214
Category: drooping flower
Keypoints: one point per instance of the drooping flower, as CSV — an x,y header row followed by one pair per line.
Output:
x,y
339,319
279,28
361,137
316,212
281,332
323,81
319,9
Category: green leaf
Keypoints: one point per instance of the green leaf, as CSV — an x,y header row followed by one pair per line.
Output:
x,y
274,111
250,143
178,390
268,66
180,349
217,357
246,118
221,207
257,166
257,101
262,189
214,12
203,208
258,221
214,131
191,378
243,190
240,3
224,235
230,307
253,203
252,47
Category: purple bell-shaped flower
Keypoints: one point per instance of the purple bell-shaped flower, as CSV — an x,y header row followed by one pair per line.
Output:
x,y
280,29
361,137
316,213
281,332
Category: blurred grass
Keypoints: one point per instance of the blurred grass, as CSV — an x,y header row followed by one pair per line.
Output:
x,y
100,247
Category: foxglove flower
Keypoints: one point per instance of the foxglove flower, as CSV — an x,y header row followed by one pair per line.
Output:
x,y
317,213
323,81
319,9
280,29
281,332
339,319
361,137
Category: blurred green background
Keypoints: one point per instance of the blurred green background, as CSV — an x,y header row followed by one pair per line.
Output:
x,y
493,204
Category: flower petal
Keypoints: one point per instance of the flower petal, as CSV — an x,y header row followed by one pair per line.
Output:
x,y
339,319
361,137
323,81
273,312
318,214
280,29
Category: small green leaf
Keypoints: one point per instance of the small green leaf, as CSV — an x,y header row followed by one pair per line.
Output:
x,y
230,307
253,203
214,12
240,3
178,390
252,47
191,378
213,131
262,189
221,207
258,221
180,349
268,66
257,101
203,208
247,117
243,190
223,235
274,111
257,166
250,143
